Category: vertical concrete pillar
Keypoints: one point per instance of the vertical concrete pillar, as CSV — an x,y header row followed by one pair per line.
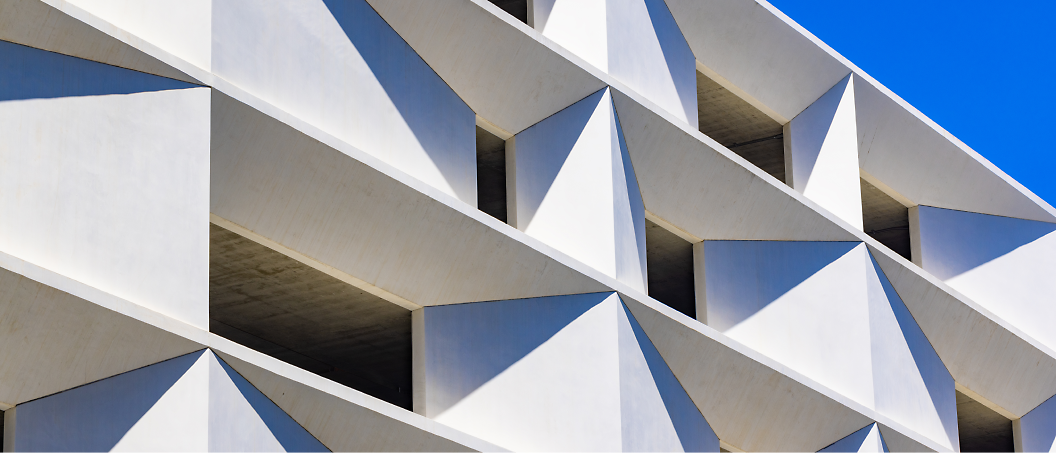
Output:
x,y
821,153
572,186
635,41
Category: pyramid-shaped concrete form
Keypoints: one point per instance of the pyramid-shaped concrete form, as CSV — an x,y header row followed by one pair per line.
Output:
x,y
481,225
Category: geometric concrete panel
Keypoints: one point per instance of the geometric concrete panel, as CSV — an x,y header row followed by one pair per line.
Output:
x,y
985,354
568,373
637,42
1004,264
338,66
364,221
34,23
821,161
827,311
190,403
867,439
573,188
921,162
1036,431
697,185
121,158
180,27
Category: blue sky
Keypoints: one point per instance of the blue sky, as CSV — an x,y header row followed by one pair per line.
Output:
x,y
982,70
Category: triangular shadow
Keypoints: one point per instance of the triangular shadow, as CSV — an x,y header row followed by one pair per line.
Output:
x,y
417,92
853,442
676,50
95,416
743,277
631,257
29,73
694,431
816,121
462,337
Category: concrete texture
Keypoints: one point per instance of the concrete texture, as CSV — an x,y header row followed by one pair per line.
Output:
x,y
1036,431
121,158
491,174
740,127
980,428
867,439
560,373
885,219
274,304
574,189
183,28
670,269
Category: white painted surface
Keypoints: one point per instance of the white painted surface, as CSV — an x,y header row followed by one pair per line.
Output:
x,y
182,27
566,373
123,171
636,41
338,66
822,161
826,311
576,191
1036,431
865,440
1004,264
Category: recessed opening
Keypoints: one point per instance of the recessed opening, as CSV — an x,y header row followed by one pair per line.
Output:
x,y
981,428
491,174
669,260
740,127
269,302
885,219
516,8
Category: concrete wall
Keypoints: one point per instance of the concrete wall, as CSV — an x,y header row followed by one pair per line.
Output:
x,y
826,310
568,373
1036,431
338,66
636,41
120,160
190,403
572,186
821,155
1004,264
867,439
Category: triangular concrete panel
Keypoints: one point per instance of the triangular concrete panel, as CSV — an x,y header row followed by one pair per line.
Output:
x,y
36,24
865,440
596,381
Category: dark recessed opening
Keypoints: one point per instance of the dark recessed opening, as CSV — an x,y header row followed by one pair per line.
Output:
x,y
516,8
981,428
885,219
670,266
281,307
740,127
491,174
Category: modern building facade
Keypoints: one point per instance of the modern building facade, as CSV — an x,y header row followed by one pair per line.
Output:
x,y
626,225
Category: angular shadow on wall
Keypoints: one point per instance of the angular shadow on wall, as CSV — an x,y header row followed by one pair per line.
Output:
x,y
676,50
29,73
744,277
413,88
956,242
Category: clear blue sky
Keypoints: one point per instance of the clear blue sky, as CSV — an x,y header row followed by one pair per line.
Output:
x,y
985,71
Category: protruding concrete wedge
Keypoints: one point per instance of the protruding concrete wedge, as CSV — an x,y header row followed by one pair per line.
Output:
x,y
367,220
984,353
821,159
704,189
190,403
338,66
105,177
36,24
1005,265
489,58
925,164
180,27
568,373
865,440
826,310
54,339
637,42
572,186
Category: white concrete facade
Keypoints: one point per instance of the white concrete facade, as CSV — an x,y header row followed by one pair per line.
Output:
x,y
340,144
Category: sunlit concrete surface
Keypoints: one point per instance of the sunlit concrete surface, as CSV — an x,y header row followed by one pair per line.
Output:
x,y
473,225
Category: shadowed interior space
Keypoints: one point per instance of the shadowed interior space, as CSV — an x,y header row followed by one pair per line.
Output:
x,y
491,174
740,127
670,268
281,307
980,428
516,8
885,219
